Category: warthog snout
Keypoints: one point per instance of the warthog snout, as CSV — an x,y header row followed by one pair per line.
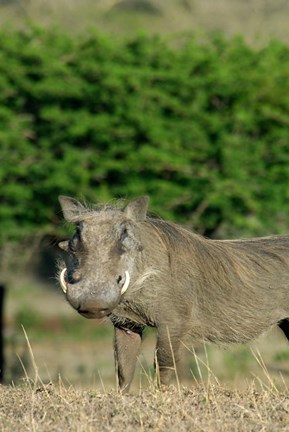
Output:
x,y
91,305
91,309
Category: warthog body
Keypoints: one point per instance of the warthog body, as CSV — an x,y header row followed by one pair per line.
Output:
x,y
141,272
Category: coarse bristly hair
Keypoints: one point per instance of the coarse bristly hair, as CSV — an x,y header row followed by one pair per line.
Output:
x,y
185,285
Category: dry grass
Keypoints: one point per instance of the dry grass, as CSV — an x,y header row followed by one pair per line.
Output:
x,y
199,408
204,405
43,401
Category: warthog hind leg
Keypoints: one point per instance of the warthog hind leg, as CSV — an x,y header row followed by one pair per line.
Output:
x,y
167,354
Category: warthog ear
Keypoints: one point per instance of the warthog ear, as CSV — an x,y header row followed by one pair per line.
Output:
x,y
71,208
137,209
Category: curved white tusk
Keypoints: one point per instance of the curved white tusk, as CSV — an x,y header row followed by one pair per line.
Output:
x,y
62,280
126,283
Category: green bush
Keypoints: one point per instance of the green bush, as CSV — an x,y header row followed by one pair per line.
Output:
x,y
199,125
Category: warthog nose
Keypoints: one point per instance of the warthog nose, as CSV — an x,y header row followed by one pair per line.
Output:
x,y
94,313
94,309
97,305
73,300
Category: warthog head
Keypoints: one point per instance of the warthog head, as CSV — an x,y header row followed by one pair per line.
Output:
x,y
102,254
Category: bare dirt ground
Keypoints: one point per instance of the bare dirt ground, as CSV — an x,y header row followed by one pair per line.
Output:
x,y
200,408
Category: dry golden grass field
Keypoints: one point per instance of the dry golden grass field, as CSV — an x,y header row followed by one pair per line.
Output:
x,y
60,377
206,407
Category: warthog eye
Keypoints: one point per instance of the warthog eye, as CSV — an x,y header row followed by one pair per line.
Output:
x,y
121,242
127,240
75,240
73,244
124,234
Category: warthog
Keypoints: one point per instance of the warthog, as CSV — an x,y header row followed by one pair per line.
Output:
x,y
142,271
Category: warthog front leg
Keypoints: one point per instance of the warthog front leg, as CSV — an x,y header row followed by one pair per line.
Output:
x,y
127,345
167,354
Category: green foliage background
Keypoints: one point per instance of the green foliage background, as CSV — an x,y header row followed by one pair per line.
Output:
x,y
201,125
